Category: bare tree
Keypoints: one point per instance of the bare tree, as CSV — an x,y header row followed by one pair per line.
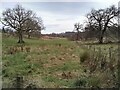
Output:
x,y
33,25
78,27
15,18
91,31
102,19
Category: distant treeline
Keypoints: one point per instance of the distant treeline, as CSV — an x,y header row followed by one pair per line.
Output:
x,y
87,34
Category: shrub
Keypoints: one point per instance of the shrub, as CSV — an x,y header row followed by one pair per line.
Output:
x,y
31,86
81,82
84,56
94,82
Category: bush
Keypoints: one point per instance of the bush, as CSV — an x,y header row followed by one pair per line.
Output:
x,y
81,82
84,56
94,82
31,86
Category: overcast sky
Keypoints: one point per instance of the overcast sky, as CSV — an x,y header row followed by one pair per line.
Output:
x,y
59,17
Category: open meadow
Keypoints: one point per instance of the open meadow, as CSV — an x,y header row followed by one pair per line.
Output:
x,y
55,63
60,45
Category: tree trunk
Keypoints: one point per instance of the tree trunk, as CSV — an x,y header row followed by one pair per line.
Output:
x,y
77,38
102,33
101,36
20,37
101,40
28,35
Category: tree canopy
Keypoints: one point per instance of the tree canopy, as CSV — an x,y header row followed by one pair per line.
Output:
x,y
102,19
21,20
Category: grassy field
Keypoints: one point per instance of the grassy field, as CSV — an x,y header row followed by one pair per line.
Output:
x,y
53,63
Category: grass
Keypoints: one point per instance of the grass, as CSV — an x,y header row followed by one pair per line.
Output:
x,y
45,57
52,63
